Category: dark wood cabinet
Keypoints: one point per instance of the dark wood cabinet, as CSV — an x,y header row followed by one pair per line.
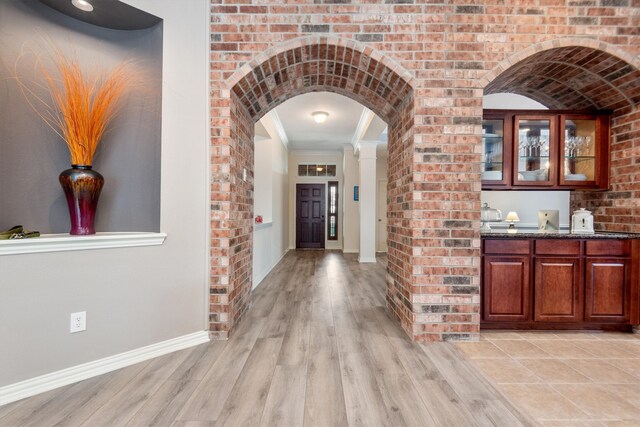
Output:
x,y
558,290
560,283
608,290
545,150
507,288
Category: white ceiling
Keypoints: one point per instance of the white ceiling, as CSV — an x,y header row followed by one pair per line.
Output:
x,y
303,133
293,124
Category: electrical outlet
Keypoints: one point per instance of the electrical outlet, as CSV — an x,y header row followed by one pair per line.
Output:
x,y
78,322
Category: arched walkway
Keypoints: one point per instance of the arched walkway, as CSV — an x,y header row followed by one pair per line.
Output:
x,y
586,74
300,66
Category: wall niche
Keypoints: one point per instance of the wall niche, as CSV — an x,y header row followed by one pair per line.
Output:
x,y
32,155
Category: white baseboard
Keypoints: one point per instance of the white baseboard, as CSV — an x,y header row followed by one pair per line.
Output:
x,y
261,277
37,385
350,251
366,260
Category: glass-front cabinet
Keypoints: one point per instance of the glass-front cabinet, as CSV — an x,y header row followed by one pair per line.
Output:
x,y
580,146
535,148
493,150
545,149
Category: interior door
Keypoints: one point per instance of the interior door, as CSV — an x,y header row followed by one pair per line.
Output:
x,y
310,212
381,235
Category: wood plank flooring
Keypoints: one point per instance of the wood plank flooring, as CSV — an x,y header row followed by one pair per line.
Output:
x,y
315,349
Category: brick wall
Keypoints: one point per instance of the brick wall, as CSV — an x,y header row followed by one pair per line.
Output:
x,y
569,53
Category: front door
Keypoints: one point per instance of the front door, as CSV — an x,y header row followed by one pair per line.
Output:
x,y
310,216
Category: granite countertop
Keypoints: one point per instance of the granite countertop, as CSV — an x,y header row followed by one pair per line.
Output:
x,y
562,234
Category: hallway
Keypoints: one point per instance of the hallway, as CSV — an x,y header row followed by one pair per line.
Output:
x,y
316,348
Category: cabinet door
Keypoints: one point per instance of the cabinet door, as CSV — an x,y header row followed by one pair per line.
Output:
x,y
506,288
534,152
496,151
608,290
583,159
558,290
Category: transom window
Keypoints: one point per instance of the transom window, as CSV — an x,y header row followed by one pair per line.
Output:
x,y
316,170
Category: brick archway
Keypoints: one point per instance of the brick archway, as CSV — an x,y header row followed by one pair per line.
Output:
x,y
570,74
300,66
587,74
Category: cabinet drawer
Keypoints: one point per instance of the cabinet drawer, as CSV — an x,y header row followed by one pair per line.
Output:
x,y
557,247
608,247
520,247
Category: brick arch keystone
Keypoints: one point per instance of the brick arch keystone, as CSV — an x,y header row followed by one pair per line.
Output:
x,y
302,65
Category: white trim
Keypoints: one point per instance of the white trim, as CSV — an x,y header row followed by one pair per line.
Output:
x,y
333,245
363,124
67,242
207,195
273,125
350,251
33,386
323,153
282,133
262,276
259,226
366,260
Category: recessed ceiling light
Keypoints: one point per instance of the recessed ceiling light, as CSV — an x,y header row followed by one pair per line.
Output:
x,y
319,116
82,5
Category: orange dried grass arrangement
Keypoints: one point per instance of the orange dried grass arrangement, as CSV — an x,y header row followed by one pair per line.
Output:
x,y
81,108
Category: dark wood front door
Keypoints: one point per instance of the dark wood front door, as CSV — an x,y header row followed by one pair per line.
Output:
x,y
310,216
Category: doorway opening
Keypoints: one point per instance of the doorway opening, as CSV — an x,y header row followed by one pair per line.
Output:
x,y
310,216
304,66
307,179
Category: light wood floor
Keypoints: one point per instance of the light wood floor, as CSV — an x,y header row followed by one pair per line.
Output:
x,y
316,348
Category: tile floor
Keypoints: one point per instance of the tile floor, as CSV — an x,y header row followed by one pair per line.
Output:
x,y
564,378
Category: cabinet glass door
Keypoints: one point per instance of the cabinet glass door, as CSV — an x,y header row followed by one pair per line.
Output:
x,y
493,150
579,148
534,151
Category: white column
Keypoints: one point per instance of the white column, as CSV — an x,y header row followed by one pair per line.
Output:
x,y
367,159
350,208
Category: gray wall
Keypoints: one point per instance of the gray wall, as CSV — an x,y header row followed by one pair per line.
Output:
x,y
32,155
133,296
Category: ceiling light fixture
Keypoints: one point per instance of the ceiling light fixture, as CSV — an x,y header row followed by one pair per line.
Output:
x,y
82,5
319,116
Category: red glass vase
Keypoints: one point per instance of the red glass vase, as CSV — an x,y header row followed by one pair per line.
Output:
x,y
82,186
